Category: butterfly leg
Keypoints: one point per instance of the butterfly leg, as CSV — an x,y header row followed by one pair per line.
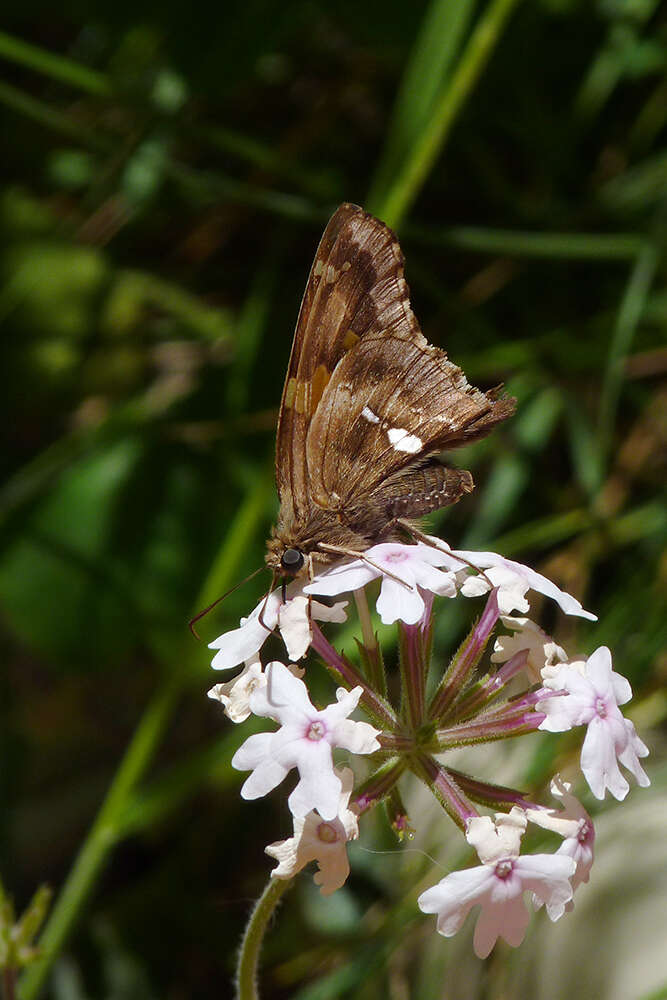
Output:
x,y
420,536
311,577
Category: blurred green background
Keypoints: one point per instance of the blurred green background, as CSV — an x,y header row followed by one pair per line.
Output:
x,y
166,174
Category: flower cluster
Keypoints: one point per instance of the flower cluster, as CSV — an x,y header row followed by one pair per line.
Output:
x,y
529,684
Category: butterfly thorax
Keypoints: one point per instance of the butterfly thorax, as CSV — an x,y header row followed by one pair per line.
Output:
x,y
294,545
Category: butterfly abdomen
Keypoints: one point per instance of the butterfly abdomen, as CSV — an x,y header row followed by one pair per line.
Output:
x,y
423,490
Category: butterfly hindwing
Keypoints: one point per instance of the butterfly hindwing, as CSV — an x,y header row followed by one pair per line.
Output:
x,y
393,400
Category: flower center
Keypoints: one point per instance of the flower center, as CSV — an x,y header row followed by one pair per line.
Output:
x,y
504,868
397,557
327,833
315,731
601,708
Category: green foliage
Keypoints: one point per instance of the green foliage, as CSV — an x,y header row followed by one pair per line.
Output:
x,y
166,182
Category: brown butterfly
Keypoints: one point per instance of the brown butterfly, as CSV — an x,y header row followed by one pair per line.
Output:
x,y
367,405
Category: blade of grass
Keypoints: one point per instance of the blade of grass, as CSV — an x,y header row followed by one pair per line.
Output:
x,y
520,243
431,58
43,114
55,66
629,315
427,147
251,324
614,58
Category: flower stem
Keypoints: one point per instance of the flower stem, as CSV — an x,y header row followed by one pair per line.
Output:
x,y
465,660
8,984
246,970
102,837
445,789
413,674
346,673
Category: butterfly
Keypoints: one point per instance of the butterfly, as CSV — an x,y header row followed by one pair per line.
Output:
x,y
366,407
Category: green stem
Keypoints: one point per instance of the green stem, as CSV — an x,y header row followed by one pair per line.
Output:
x,y
57,67
246,970
410,179
629,316
101,838
43,114
371,652
524,243
370,641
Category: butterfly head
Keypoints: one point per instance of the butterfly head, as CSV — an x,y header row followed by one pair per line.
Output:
x,y
285,556
293,549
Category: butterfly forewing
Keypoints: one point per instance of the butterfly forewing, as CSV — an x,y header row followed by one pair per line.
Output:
x,y
355,285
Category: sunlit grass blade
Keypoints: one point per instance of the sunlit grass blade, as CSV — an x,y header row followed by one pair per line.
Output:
x,y
434,50
57,67
408,181
629,317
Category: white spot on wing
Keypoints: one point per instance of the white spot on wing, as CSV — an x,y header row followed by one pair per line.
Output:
x,y
368,415
403,441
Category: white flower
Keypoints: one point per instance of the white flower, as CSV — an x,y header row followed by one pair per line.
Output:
x,y
305,741
235,694
542,650
498,884
292,617
574,825
324,841
513,580
592,700
414,565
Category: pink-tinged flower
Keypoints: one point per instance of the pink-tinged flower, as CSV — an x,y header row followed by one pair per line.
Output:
x,y
498,884
513,580
592,700
320,840
574,825
305,741
541,649
414,565
234,695
292,617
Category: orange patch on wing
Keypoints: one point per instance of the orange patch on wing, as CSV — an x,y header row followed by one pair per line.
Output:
x,y
319,383
350,339
304,396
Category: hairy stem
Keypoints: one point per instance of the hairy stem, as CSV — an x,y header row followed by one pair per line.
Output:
x,y
246,970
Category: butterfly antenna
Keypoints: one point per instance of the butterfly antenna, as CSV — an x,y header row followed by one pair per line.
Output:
x,y
202,614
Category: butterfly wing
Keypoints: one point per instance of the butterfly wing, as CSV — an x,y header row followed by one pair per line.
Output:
x,y
355,287
393,400
367,399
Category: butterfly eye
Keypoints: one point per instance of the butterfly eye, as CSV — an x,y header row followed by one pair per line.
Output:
x,y
292,560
